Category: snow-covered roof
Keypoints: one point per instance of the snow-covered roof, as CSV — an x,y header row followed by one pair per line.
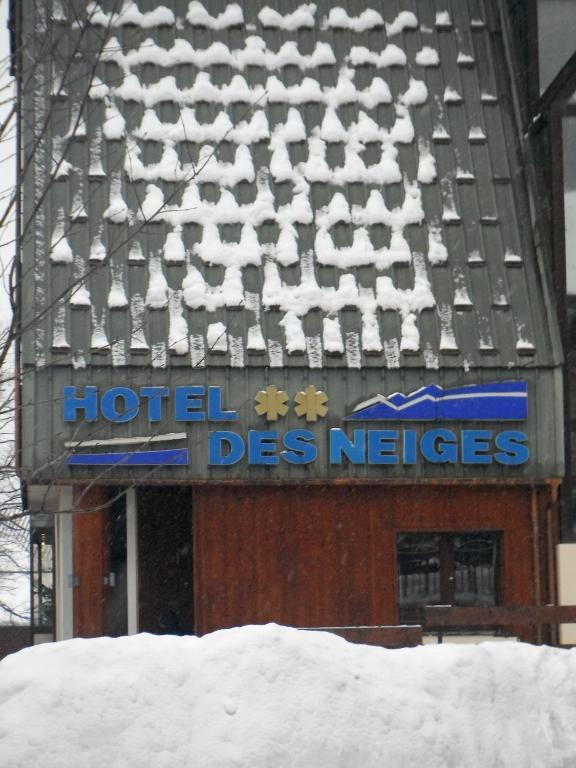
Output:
x,y
274,184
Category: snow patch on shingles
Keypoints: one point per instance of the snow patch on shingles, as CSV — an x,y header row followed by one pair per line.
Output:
x,y
255,341
237,91
314,351
130,14
462,298
158,356
512,258
217,338
416,94
178,327
404,20
59,337
198,16
353,352
391,56
118,352
430,357
332,336
437,251
117,294
197,351
407,302
426,163
97,248
275,353
157,293
80,295
117,211
60,250
443,19
302,17
208,167
61,167
255,53
523,344
236,346
451,96
338,18
294,333
188,129
427,57
174,250
447,337
392,353
114,127
99,340
138,341
95,168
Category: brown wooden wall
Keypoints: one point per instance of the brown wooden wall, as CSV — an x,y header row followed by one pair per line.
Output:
x,y
90,553
325,556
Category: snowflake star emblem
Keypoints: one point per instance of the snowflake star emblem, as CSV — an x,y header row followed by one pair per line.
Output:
x,y
311,403
271,402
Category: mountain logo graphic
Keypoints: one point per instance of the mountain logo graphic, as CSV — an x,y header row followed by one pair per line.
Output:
x,y
500,401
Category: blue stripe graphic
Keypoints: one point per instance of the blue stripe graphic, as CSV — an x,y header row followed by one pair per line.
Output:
x,y
499,401
131,458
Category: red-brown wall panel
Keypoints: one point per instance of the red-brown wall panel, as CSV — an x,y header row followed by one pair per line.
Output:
x,y
90,552
325,555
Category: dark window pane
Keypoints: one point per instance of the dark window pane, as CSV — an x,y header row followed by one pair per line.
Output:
x,y
446,568
418,573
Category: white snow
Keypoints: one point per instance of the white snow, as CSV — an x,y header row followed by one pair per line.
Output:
x,y
338,18
198,16
404,20
443,19
129,13
60,250
427,57
217,338
391,56
302,17
426,165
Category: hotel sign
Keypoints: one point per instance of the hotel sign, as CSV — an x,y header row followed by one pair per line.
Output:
x,y
382,439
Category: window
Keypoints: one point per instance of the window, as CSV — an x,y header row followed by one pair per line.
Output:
x,y
446,569
42,579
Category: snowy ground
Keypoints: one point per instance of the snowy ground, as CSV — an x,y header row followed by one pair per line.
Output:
x,y
273,697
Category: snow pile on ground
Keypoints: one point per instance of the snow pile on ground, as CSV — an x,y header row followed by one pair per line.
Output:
x,y
273,697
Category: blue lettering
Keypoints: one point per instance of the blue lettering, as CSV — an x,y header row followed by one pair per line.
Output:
x,y
409,446
262,447
215,412
299,445
187,405
154,395
475,446
512,451
87,403
355,450
217,442
382,446
111,410
438,446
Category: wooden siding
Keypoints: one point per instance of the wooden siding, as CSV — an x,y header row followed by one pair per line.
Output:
x,y
90,553
325,556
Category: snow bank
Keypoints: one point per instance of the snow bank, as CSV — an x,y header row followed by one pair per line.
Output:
x,y
271,696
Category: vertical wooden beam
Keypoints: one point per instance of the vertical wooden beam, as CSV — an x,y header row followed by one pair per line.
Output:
x,y
535,514
90,553
132,560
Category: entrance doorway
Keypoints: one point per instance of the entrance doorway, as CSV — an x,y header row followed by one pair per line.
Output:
x,y
165,576
460,569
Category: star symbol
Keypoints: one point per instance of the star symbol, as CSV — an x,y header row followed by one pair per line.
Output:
x,y
271,402
311,403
